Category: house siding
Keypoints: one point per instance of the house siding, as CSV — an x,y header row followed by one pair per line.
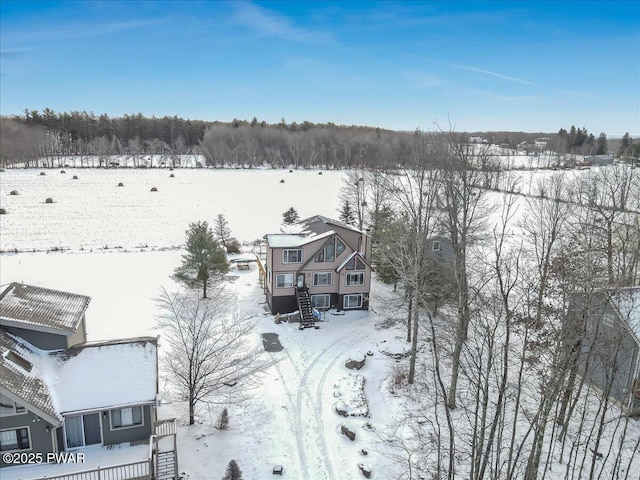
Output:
x,y
41,440
42,340
128,434
284,304
609,357
79,336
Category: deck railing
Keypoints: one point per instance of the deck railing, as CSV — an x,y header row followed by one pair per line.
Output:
x,y
127,471
142,470
164,427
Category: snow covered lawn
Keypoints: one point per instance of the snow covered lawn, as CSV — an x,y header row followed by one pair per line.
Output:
x,y
289,420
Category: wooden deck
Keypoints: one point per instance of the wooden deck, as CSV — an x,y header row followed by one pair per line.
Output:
x,y
162,462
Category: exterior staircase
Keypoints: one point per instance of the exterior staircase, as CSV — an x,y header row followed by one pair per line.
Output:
x,y
304,306
165,450
166,466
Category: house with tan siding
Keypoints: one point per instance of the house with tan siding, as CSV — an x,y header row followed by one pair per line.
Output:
x,y
327,259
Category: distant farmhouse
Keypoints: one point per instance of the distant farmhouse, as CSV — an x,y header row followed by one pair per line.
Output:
x,y
610,348
59,392
324,263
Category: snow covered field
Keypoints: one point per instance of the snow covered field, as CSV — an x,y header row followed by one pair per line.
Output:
x,y
92,212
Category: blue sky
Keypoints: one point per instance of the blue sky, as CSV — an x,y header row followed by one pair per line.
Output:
x,y
521,66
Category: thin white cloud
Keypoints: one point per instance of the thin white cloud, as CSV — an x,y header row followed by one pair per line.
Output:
x,y
82,30
272,24
494,74
515,79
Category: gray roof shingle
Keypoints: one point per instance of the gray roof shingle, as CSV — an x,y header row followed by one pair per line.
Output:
x,y
28,386
38,308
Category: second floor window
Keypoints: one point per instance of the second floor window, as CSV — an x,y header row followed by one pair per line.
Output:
x,y
292,256
321,278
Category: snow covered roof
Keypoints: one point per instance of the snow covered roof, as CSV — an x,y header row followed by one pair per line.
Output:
x,y
283,240
627,302
103,375
25,385
38,308
348,259
320,224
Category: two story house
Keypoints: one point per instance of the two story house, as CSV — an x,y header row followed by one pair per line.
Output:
x,y
328,259
59,392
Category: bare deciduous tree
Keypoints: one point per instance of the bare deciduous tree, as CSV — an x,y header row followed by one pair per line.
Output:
x,y
211,358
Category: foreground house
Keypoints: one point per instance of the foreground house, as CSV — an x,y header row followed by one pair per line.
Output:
x,y
59,392
323,264
610,348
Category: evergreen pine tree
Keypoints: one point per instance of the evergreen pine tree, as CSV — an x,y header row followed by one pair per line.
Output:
x,y
346,214
222,231
625,143
233,471
602,146
205,260
290,216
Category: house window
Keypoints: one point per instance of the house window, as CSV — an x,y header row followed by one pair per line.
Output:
x,y
292,256
284,280
321,301
15,439
356,278
321,279
435,246
330,252
126,417
355,264
607,320
352,301
82,430
9,407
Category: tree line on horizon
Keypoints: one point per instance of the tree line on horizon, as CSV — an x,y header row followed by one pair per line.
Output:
x,y
48,136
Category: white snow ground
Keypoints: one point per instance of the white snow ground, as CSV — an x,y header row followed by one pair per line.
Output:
x,y
289,420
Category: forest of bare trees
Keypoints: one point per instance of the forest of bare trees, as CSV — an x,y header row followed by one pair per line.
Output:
x,y
499,341
46,138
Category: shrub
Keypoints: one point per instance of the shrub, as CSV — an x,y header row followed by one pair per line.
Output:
x,y
233,246
233,471
223,421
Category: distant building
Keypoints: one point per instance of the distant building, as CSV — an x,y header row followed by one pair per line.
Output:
x,y
599,160
477,140
610,344
541,143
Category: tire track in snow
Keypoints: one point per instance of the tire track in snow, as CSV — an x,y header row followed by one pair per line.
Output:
x,y
320,388
316,406
304,467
